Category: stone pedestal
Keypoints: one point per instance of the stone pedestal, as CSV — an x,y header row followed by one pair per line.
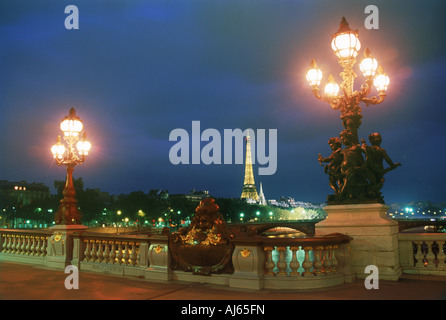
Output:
x,y
248,263
159,259
375,237
61,245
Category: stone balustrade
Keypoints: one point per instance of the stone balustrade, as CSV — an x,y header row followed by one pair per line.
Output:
x,y
296,260
24,246
258,261
291,263
117,254
111,251
423,253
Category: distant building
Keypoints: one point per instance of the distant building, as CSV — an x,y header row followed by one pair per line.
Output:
x,y
289,202
22,193
262,199
159,194
194,195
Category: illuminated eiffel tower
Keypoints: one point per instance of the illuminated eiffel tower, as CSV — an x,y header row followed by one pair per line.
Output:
x,y
249,187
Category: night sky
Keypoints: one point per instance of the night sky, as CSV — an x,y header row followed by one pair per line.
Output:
x,y
136,70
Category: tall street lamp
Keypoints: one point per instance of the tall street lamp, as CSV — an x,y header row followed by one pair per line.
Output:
x,y
346,45
353,179
69,154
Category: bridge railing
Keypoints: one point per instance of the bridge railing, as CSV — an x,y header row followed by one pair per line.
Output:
x,y
259,261
423,253
110,253
24,246
292,263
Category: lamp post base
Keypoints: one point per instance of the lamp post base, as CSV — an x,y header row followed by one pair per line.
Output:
x,y
375,237
68,213
61,245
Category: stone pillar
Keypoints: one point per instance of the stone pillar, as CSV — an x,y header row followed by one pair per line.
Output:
x,y
61,245
249,264
375,237
159,258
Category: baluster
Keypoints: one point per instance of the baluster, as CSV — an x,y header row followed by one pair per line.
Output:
x,y
430,256
44,244
38,246
269,263
120,254
16,244
334,262
419,256
133,254
33,246
294,263
138,257
318,260
113,252
281,264
3,239
100,252
11,244
87,252
6,243
441,256
28,245
23,244
106,253
126,253
307,263
94,252
328,259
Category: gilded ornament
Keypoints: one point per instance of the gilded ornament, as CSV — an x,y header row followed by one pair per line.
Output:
x,y
245,253
158,249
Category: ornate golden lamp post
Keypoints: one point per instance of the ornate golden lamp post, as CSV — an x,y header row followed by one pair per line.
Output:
x,y
346,45
75,152
353,178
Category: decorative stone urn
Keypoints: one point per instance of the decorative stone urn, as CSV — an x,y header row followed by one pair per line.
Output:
x,y
204,247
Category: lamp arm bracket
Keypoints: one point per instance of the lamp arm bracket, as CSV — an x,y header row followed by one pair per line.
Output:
x,y
316,90
335,102
374,100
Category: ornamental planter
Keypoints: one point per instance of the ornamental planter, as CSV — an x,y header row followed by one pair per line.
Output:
x,y
205,247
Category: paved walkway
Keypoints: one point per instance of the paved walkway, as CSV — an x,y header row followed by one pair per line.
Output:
x,y
25,282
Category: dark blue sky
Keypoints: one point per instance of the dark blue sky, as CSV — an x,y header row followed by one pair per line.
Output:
x,y
136,70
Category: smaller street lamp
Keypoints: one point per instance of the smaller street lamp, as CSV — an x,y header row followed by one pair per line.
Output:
x,y
69,156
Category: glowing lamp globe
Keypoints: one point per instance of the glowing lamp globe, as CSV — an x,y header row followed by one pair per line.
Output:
x,y
331,88
368,65
71,125
58,149
83,146
381,81
345,43
314,75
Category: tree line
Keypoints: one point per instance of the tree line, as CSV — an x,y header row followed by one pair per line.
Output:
x,y
136,207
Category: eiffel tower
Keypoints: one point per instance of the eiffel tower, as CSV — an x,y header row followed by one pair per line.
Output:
x,y
249,187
